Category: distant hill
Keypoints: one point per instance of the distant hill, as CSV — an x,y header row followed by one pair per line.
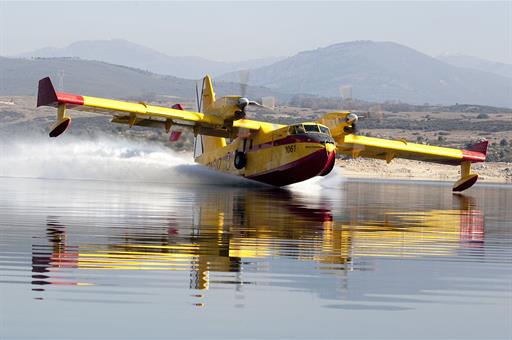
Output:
x,y
380,71
475,63
122,52
95,78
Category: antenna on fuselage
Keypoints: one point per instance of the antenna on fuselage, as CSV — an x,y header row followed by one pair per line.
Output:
x,y
244,81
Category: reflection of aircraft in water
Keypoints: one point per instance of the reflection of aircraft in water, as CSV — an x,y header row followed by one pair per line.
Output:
x,y
230,228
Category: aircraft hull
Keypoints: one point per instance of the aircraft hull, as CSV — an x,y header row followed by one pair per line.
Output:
x,y
317,163
280,162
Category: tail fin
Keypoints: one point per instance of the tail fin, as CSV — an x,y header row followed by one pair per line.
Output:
x,y
210,143
208,94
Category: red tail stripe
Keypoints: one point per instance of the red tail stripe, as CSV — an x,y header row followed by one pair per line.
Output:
x,y
479,147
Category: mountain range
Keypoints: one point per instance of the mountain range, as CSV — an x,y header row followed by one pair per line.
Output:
x,y
461,60
123,52
380,71
376,71
20,77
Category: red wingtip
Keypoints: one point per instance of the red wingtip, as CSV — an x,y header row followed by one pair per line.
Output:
x,y
46,95
476,152
175,135
479,147
178,107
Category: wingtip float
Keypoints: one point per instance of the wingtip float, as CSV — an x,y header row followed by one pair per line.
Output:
x,y
274,154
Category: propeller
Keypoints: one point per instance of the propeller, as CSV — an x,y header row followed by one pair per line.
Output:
x,y
244,81
352,118
243,101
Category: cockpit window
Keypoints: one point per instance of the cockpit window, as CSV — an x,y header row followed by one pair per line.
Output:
x,y
324,129
311,128
296,129
307,128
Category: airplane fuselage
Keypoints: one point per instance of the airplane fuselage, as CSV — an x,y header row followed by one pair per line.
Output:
x,y
279,157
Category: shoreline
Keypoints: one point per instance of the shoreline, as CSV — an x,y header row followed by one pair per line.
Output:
x,y
404,169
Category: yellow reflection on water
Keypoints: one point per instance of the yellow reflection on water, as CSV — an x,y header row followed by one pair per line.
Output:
x,y
228,228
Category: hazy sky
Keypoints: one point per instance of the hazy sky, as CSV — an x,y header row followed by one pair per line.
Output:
x,y
244,30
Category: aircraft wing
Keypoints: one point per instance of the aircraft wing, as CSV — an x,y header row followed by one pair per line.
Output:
x,y
362,146
342,127
131,113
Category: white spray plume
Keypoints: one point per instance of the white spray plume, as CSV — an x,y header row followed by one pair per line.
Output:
x,y
317,185
111,159
105,158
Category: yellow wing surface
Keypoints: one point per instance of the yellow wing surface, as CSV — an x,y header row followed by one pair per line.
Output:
x,y
134,113
341,125
362,146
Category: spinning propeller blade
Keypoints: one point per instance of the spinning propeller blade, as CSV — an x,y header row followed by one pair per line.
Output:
x,y
244,81
243,101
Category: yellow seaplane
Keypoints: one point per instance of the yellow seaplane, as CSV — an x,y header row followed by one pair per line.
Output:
x,y
274,154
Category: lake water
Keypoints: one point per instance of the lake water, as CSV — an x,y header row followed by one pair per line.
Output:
x,y
200,256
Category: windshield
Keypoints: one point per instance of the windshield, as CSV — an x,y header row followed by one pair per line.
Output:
x,y
307,128
324,129
311,128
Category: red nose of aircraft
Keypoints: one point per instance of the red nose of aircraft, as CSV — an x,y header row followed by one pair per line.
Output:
x,y
330,149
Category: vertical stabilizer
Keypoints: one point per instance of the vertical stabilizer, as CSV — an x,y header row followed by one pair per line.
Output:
x,y
209,143
208,94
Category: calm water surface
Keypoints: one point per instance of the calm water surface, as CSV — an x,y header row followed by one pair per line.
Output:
x,y
83,259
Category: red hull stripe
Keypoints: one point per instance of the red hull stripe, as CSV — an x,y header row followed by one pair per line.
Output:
x,y
70,98
473,156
